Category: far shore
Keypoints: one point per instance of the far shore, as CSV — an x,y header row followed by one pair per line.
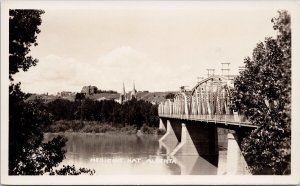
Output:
x,y
99,128
102,133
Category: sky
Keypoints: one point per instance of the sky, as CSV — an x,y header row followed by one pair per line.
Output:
x,y
160,48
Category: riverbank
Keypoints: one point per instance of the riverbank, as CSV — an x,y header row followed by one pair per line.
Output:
x,y
98,127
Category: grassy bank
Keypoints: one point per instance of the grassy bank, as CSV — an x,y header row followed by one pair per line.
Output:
x,y
97,127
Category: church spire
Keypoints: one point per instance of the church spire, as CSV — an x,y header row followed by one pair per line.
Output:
x,y
133,89
124,89
133,92
123,95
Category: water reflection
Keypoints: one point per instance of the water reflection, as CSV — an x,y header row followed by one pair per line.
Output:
x,y
117,154
133,155
197,165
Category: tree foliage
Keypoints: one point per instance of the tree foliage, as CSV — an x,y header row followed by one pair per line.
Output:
x,y
133,112
23,30
263,94
79,96
28,154
71,170
170,96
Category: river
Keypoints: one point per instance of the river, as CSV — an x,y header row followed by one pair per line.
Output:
x,y
111,154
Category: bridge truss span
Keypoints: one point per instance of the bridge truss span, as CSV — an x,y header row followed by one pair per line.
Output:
x,y
208,101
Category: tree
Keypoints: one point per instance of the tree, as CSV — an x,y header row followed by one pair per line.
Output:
x,y
170,95
262,93
79,96
71,170
23,30
28,154
62,109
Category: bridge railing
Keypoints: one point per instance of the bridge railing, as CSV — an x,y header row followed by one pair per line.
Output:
x,y
239,119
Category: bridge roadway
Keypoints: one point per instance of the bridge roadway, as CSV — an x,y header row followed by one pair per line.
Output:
x,y
220,121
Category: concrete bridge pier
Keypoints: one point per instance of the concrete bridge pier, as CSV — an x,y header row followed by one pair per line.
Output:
x,y
199,144
236,163
162,125
222,150
199,141
170,139
183,142
191,160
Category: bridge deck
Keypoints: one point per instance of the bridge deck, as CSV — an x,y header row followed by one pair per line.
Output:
x,y
216,119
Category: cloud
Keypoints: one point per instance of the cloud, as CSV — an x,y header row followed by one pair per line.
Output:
x,y
54,74
121,57
125,64
128,65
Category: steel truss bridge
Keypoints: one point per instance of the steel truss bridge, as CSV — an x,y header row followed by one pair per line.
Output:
x,y
209,101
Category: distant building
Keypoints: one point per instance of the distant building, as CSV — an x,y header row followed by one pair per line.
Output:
x,y
66,93
123,95
102,99
133,92
127,96
89,90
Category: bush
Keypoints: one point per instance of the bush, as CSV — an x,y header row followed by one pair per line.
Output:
x,y
160,132
147,130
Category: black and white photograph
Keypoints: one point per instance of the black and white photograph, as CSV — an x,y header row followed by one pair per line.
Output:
x,y
149,92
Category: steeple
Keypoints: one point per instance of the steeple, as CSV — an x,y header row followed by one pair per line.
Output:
x,y
133,93
133,90
123,95
124,89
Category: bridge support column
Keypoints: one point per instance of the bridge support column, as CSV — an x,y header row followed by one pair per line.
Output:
x,y
182,144
169,140
197,150
236,164
197,140
222,144
161,125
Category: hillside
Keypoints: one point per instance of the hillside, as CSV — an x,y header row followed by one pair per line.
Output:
x,y
153,97
147,96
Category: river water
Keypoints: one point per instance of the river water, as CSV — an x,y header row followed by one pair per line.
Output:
x,y
111,154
